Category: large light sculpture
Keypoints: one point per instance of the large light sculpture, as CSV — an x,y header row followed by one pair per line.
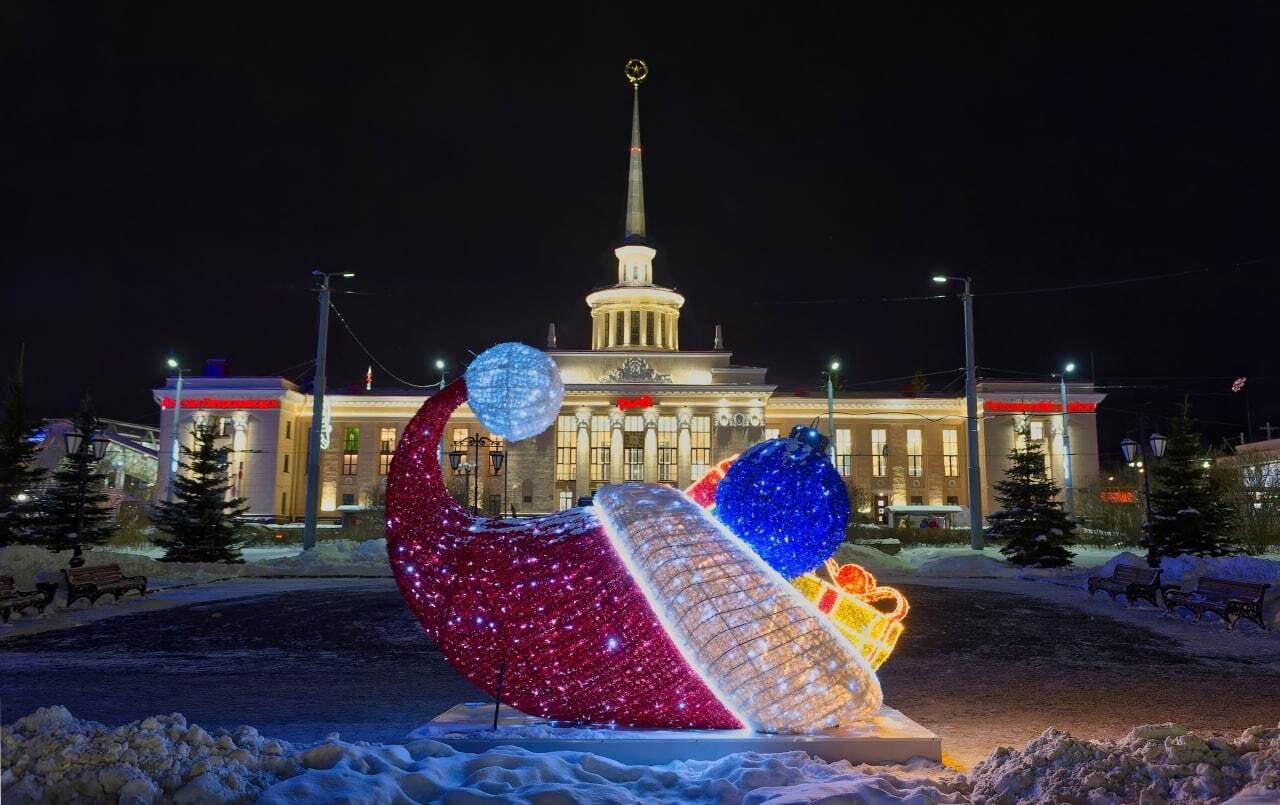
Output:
x,y
641,610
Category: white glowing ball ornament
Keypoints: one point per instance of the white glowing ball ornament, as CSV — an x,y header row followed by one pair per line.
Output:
x,y
514,390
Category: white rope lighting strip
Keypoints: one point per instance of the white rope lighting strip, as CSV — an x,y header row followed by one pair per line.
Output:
x,y
765,651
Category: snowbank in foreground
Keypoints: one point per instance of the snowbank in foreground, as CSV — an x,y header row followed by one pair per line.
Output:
x,y
52,756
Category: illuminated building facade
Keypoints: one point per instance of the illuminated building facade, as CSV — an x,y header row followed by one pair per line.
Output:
x,y
636,407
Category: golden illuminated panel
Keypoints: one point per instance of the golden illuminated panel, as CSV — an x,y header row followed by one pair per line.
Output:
x,y
770,657
849,602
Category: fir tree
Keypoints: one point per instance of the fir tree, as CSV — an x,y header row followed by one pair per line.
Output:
x,y
1032,523
201,522
19,476
1189,511
74,511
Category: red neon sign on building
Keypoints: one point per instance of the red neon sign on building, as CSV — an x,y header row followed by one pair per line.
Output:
x,y
627,403
210,402
1039,407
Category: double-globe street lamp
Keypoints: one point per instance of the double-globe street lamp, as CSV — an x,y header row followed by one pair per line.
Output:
x,y
497,457
1136,452
93,446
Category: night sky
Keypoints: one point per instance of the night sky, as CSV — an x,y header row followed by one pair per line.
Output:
x,y
172,175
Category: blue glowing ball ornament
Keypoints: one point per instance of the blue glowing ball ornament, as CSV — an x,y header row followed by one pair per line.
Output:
x,y
514,390
784,499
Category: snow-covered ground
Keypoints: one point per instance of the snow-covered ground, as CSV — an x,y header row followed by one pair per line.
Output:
x,y
50,756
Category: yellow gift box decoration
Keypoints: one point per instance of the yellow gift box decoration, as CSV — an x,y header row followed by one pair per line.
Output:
x,y
849,600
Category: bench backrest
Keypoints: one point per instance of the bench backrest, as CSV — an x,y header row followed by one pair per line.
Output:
x,y
98,574
6,584
1231,588
1135,574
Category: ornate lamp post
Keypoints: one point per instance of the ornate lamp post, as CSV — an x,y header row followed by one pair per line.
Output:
x,y
92,445
1136,451
472,444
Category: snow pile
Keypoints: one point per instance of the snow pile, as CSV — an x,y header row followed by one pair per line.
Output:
x,y
51,756
969,564
1152,764
429,771
874,560
338,557
1186,569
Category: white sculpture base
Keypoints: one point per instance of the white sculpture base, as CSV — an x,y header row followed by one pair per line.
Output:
x,y
888,738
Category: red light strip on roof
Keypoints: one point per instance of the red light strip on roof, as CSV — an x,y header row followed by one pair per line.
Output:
x,y
1039,407
627,403
209,402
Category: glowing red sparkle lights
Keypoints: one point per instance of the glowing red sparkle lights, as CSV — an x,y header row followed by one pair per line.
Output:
x,y
630,403
547,597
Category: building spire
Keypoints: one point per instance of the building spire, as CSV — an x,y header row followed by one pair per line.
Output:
x,y
636,71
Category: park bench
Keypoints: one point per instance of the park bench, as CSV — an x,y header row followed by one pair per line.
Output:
x,y
94,582
1132,580
1231,600
14,600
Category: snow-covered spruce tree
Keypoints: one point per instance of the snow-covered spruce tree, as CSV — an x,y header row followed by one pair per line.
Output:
x,y
201,523
1030,521
74,511
19,476
1189,509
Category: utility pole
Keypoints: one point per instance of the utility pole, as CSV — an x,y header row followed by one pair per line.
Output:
x,y
971,413
317,413
1068,504
177,422
831,412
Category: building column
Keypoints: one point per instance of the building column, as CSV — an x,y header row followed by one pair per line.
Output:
x,y
675,333
684,453
651,446
626,328
240,421
659,328
582,486
644,328
611,319
616,455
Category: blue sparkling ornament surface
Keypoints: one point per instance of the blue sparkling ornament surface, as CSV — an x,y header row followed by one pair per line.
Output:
x,y
514,390
786,501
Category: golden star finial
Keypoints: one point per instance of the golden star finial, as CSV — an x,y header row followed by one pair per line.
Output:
x,y
637,71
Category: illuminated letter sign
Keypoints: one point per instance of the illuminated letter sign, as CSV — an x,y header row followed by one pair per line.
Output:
x,y
627,403
209,402
1038,407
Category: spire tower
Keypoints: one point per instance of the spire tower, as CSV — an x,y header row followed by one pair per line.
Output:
x,y
635,175
635,314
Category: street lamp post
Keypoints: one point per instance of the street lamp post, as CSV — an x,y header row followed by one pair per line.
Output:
x,y
473,444
177,422
971,413
1130,449
831,413
317,412
440,369
1068,503
77,443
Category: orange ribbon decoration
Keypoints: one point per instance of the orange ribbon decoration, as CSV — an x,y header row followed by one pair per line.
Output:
x,y
858,582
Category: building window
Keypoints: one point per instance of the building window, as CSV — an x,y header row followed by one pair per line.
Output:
x,y
917,500
652,333
915,452
879,446
620,322
286,462
953,500
566,499
284,502
700,446
635,327
668,443
288,429
633,448
386,449
350,451
460,443
600,445
950,453
348,499
1037,431
844,451
567,449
